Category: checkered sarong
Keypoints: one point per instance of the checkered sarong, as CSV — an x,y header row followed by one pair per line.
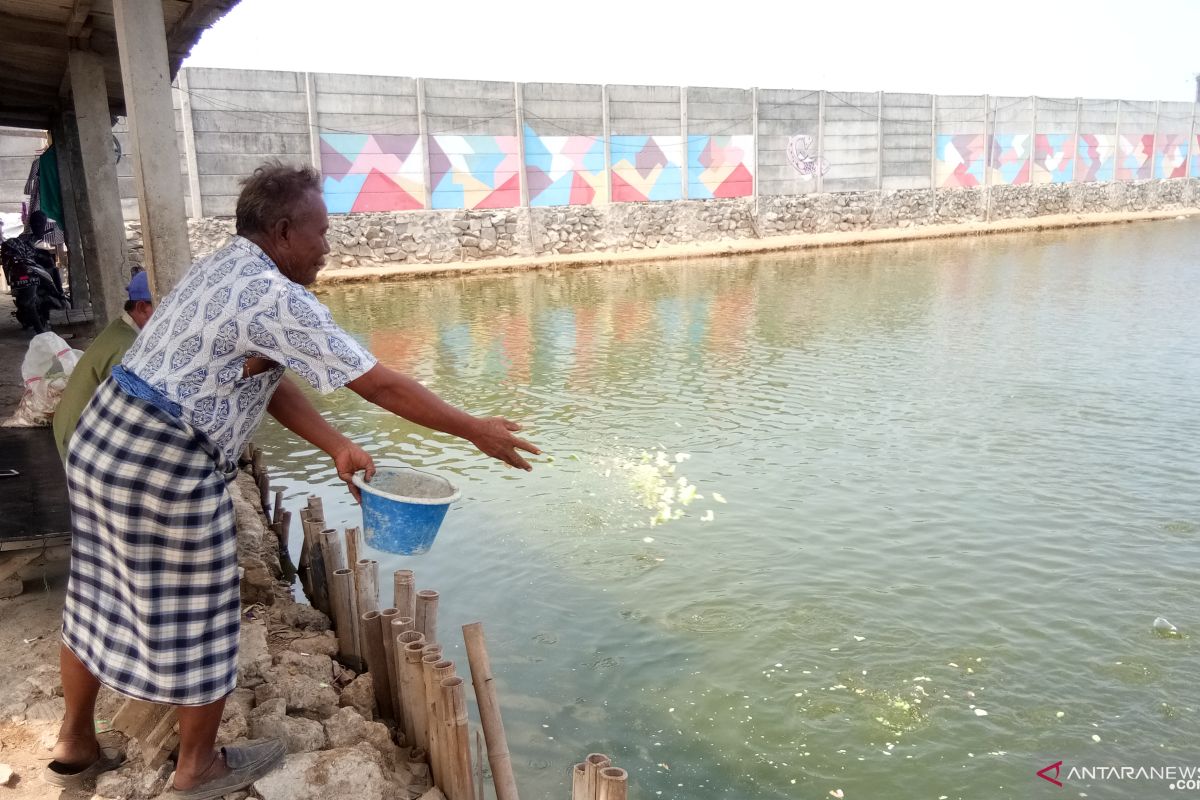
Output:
x,y
153,601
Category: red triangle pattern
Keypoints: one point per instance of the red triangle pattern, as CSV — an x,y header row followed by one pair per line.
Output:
x,y
1023,174
582,192
507,196
380,193
624,193
740,183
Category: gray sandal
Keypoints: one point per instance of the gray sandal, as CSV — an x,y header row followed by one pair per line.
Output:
x,y
67,777
247,763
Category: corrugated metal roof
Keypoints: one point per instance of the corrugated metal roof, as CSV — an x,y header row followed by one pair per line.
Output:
x,y
35,36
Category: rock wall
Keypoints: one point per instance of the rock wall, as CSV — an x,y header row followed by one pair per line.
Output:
x,y
438,237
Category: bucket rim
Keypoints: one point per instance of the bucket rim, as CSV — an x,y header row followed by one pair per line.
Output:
x,y
419,501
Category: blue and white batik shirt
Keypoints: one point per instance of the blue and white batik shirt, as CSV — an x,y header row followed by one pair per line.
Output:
x,y
230,306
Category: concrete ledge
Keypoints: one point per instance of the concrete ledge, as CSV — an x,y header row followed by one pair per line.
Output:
x,y
742,246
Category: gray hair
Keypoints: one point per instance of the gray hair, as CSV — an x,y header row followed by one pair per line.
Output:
x,y
272,193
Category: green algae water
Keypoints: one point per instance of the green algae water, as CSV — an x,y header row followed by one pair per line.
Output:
x,y
891,522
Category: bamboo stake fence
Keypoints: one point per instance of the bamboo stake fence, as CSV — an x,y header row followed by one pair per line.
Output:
x,y
417,689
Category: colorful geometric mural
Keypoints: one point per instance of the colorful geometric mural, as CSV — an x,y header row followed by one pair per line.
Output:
x,y
384,172
960,160
1135,159
646,168
1171,155
720,166
1095,157
1196,157
1053,157
1008,158
476,171
564,170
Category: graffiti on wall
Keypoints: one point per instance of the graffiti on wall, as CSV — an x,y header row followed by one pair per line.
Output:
x,y
384,172
1095,158
1171,155
720,166
960,160
475,171
1135,156
1008,158
1053,157
564,170
646,168
803,156
1196,157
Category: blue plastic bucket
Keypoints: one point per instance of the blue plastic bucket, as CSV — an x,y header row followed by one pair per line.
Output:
x,y
403,508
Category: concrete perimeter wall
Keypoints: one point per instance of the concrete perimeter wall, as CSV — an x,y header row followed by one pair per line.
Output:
x,y
475,169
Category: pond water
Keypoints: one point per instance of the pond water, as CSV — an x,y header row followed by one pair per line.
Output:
x,y
892,521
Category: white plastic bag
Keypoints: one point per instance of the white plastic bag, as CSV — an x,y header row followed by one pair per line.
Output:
x,y
48,364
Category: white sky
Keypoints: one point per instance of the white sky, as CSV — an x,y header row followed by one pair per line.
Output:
x,y
1055,48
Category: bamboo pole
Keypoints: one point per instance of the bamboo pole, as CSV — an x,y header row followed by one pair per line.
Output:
x,y
431,713
256,462
331,551
366,597
304,565
592,766
312,527
345,618
389,647
277,512
441,671
280,527
579,785
407,692
454,699
414,690
430,655
401,625
353,545
614,784
372,634
404,592
427,603
283,532
318,575
317,506
264,490
489,712
366,574
478,765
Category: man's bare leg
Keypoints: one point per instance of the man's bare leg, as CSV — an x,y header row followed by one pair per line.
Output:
x,y
77,745
199,761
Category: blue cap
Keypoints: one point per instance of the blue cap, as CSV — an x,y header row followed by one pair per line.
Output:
x,y
139,288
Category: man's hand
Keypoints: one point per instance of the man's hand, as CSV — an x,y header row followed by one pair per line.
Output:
x,y
349,458
494,437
